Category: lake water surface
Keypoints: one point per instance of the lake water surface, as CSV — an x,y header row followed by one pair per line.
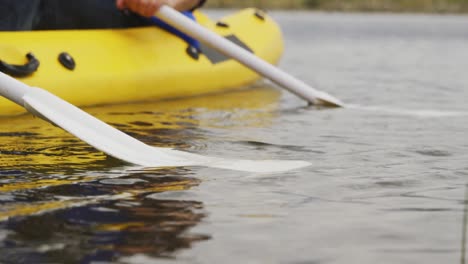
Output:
x,y
386,185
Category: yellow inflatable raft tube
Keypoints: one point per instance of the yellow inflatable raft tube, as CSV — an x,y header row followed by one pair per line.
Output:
x,y
96,67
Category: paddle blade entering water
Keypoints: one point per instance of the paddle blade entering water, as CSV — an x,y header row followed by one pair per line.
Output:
x,y
261,166
124,147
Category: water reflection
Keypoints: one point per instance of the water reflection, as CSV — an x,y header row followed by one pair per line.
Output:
x,y
101,220
182,124
62,201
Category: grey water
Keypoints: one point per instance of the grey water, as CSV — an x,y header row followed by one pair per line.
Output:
x,y
386,185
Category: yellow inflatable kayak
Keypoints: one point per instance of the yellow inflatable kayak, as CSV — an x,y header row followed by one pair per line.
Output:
x,y
95,67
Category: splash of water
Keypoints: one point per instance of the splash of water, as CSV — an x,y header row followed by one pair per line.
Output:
x,y
421,113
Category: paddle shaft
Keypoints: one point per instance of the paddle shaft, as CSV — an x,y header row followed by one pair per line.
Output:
x,y
283,79
12,89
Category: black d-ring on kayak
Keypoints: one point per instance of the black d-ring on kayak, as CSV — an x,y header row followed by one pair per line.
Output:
x,y
20,70
67,61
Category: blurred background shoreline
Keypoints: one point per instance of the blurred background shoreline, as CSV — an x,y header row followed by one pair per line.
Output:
x,y
418,6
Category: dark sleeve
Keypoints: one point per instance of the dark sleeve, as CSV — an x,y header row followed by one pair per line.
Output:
x,y
200,4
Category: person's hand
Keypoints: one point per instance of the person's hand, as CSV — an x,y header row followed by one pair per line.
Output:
x,y
145,8
148,8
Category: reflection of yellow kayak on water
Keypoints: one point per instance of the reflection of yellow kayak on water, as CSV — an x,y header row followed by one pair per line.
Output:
x,y
28,209
138,64
46,151
27,141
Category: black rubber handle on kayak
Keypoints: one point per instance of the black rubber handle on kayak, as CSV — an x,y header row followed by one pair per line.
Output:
x,y
20,70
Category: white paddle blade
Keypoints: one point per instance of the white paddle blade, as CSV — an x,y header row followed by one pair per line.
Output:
x,y
124,147
228,48
260,166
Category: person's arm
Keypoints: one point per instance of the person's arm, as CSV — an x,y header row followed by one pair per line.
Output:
x,y
147,8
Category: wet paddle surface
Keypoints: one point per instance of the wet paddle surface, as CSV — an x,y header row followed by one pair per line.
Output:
x,y
386,184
